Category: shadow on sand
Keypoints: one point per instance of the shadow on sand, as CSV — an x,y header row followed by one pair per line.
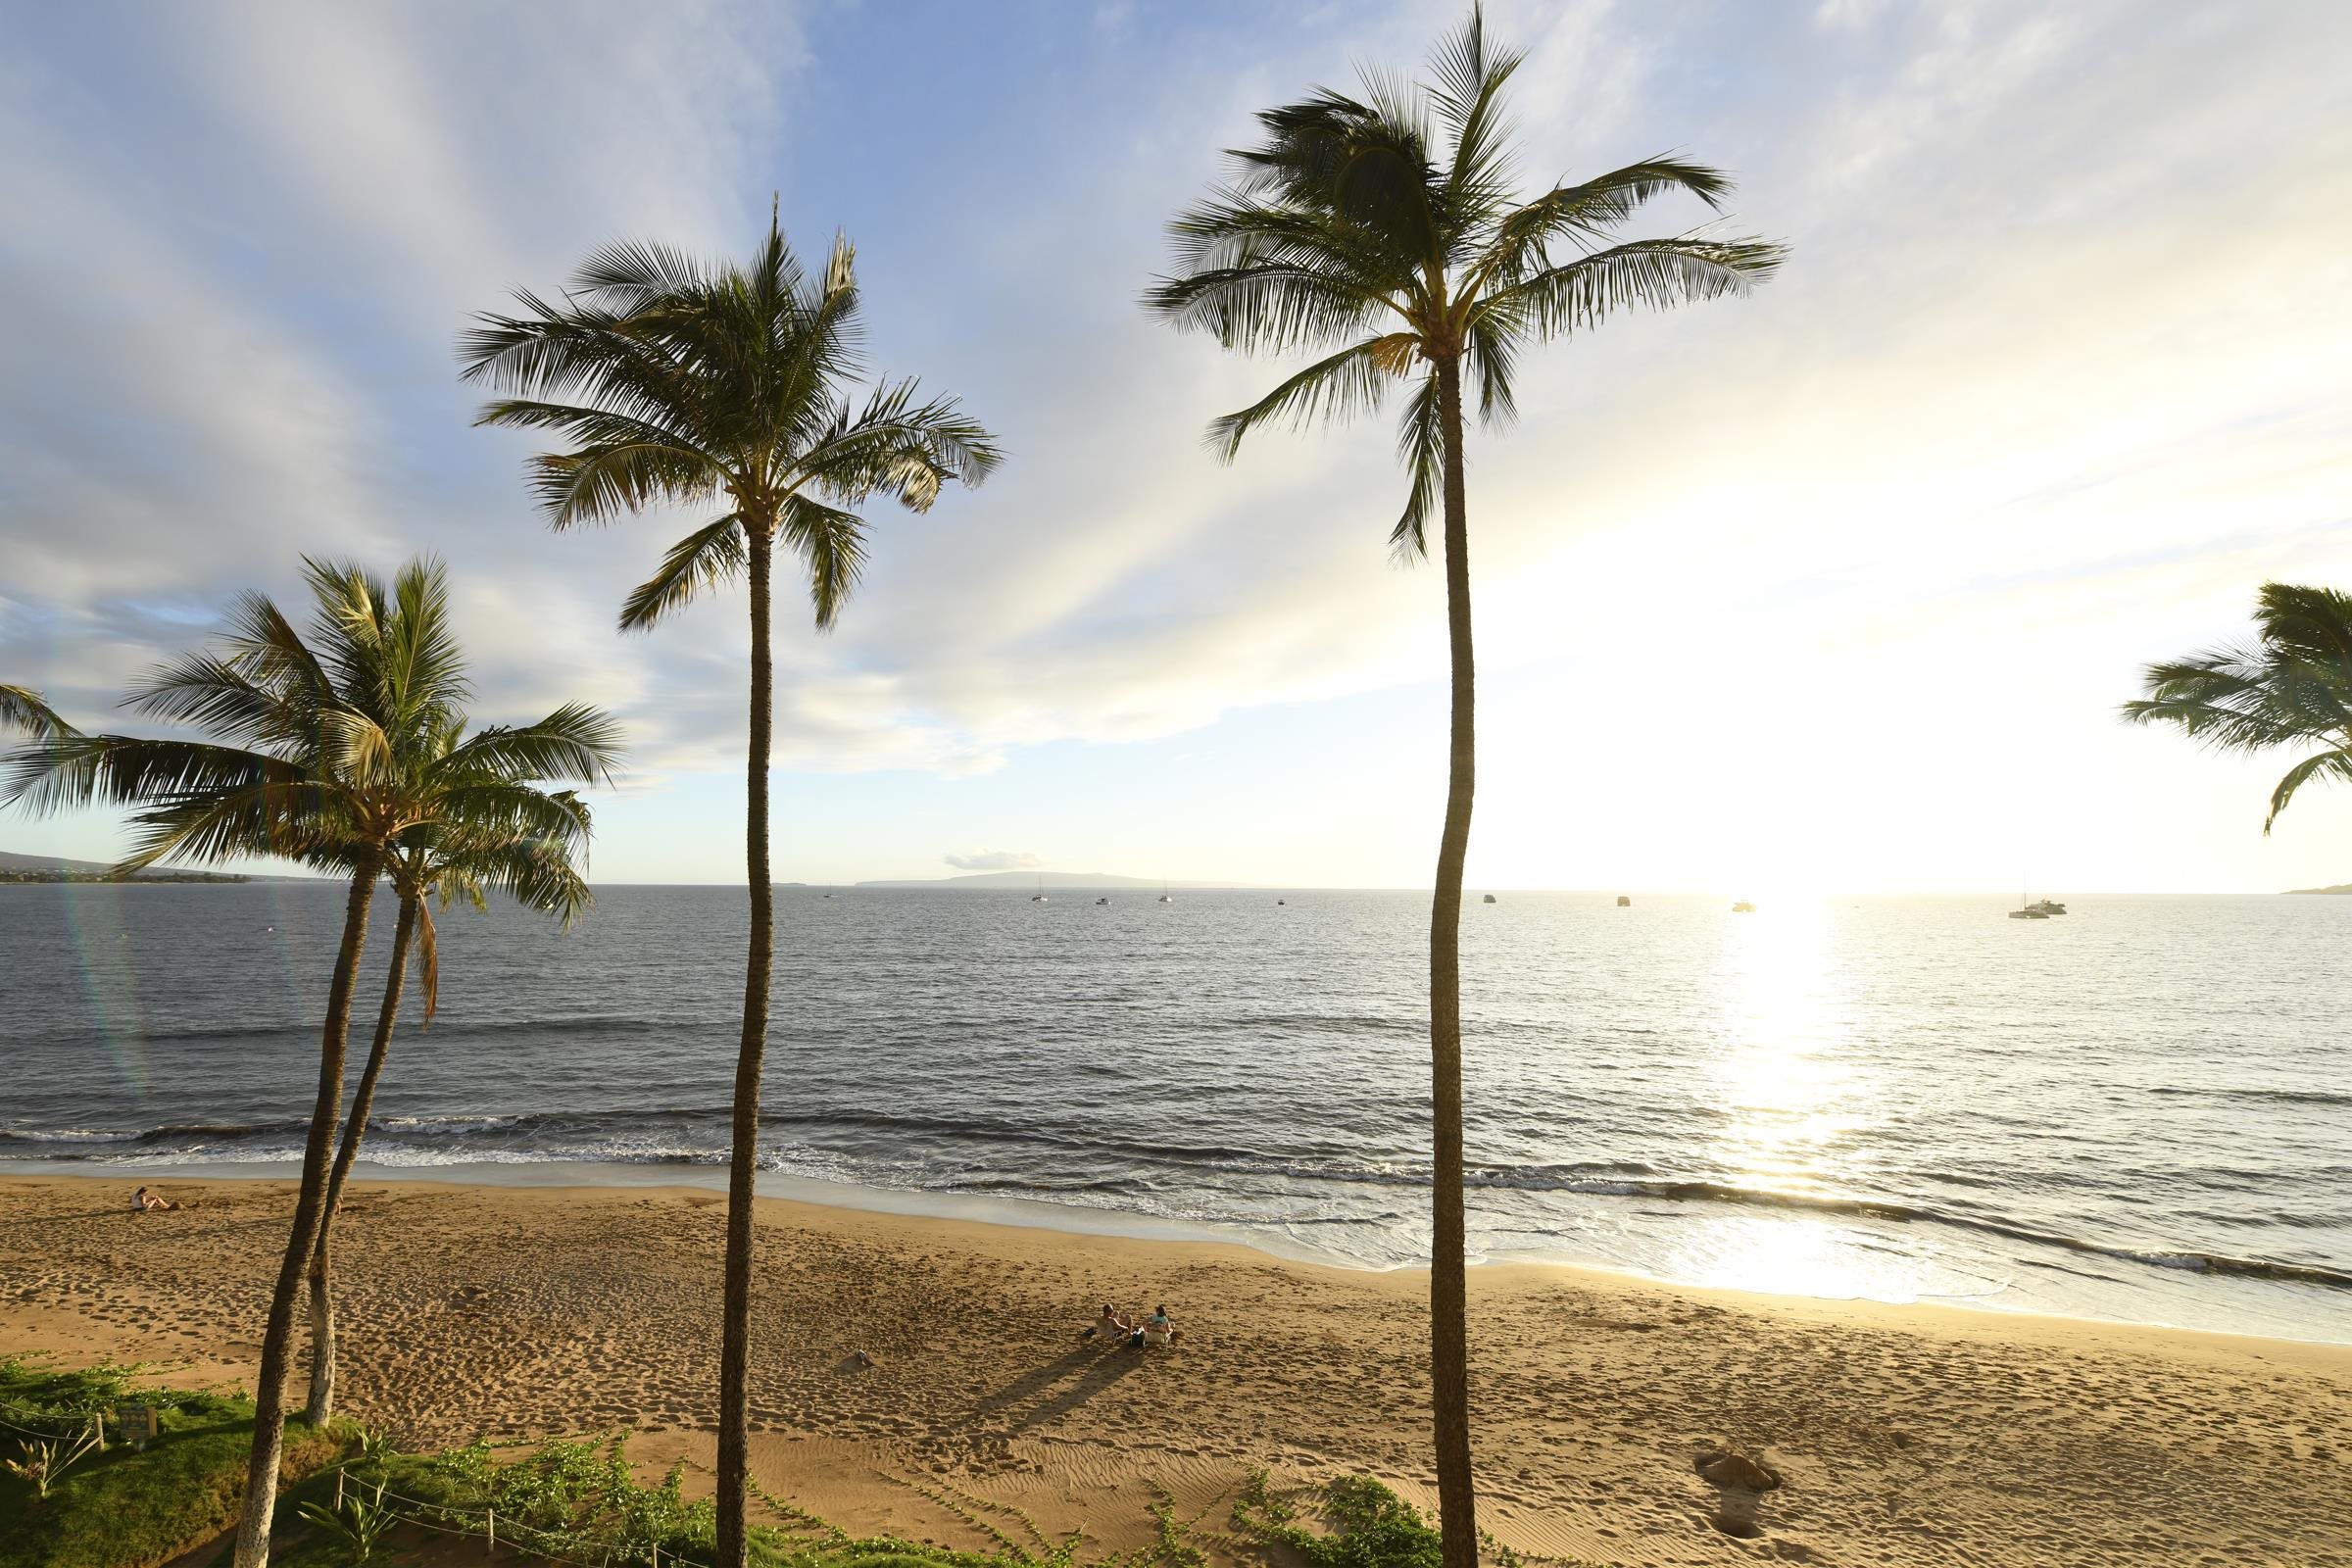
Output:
x,y
1053,1390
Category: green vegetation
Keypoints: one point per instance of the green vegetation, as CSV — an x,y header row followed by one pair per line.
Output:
x,y
2291,686
1368,1525
128,1507
1385,234
356,1501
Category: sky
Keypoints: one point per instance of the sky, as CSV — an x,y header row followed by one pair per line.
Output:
x,y
1833,588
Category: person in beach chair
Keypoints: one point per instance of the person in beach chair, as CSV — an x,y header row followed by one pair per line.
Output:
x,y
146,1202
1110,1326
1158,1329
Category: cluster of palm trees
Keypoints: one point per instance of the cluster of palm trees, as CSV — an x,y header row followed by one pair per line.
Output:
x,y
1383,231
349,751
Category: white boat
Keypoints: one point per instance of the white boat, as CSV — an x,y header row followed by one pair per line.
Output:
x,y
1163,894
1039,897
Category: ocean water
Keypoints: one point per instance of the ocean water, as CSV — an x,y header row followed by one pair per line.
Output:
x,y
2141,1110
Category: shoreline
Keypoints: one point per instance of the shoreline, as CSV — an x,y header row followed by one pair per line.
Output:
x,y
1044,1215
1909,1435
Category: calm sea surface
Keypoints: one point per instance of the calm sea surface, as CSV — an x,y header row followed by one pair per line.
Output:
x,y
2139,1110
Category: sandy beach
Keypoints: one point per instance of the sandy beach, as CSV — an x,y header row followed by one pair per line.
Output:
x,y
1904,1435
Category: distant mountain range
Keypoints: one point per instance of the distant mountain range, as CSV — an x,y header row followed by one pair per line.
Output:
x,y
2340,887
1052,880
56,868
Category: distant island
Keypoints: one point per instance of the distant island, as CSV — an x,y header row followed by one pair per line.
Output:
x,y
1051,879
19,868
2340,887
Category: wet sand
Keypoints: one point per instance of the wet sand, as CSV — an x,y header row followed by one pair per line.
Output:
x,y
1903,1435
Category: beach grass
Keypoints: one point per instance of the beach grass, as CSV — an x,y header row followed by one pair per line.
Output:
x,y
353,1499
126,1507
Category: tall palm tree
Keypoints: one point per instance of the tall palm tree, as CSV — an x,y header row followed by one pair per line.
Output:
x,y
1387,228
2291,686
449,860
670,379
315,756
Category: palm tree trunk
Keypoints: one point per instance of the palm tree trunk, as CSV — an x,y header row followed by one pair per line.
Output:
x,y
735,1349
322,1305
1449,1334
270,1396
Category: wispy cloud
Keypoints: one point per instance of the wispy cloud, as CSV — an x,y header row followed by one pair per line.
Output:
x,y
2060,313
996,860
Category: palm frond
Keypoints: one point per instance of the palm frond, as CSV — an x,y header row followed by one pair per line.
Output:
x,y
267,648
1348,383
1421,448
2307,625
1467,95
898,447
291,819
630,274
1579,295
574,742
2336,765
486,813
1588,214
428,962
22,708
1490,351
1266,276
831,543
710,555
2291,686
355,750
424,679
2247,698
209,693
66,773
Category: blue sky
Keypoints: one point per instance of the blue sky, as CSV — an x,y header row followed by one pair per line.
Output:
x,y
1837,586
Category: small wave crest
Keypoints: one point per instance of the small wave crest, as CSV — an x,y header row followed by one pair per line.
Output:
x,y
913,1151
2277,1097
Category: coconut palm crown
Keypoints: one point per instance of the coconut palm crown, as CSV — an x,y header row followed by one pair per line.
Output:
x,y
2291,686
675,381
336,751
1389,229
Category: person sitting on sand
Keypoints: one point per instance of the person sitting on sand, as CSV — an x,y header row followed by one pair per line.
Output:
x,y
146,1202
1158,1329
1110,1326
